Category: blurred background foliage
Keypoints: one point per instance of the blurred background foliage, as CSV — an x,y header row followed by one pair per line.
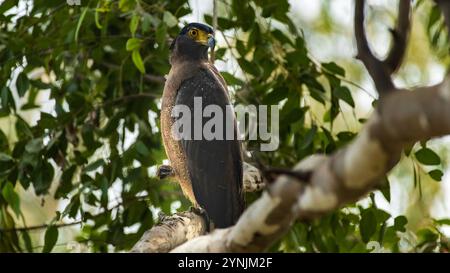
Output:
x,y
80,89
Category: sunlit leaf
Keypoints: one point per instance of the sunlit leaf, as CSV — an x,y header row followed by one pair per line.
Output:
x,y
427,156
436,175
11,197
137,60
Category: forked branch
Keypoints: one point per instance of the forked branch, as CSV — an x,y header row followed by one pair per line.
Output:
x,y
381,71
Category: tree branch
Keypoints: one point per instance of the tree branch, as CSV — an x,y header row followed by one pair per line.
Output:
x,y
126,98
170,232
147,77
214,25
381,71
154,78
252,179
43,226
375,67
345,176
400,37
176,229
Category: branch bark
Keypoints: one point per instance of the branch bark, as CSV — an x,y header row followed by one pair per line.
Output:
x,y
336,180
170,232
174,230
253,179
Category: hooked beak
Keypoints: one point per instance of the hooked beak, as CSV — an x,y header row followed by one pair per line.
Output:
x,y
211,41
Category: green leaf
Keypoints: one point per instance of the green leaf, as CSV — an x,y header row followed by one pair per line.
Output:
x,y
6,101
142,149
146,23
344,94
434,16
43,177
7,5
22,84
34,146
436,175
380,215
220,53
385,189
74,206
292,116
334,68
224,23
160,35
248,67
5,157
169,19
400,222
444,221
134,23
133,44
427,157
309,137
51,236
427,235
346,136
40,85
11,197
94,165
137,60
65,184
231,79
367,225
126,5
27,241
47,121
135,213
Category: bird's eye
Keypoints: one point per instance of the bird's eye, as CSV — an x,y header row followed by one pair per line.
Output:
x,y
193,32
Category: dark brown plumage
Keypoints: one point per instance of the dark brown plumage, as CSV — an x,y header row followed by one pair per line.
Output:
x,y
209,171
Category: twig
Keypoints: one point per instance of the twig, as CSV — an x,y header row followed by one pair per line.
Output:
x,y
374,66
400,36
214,25
39,227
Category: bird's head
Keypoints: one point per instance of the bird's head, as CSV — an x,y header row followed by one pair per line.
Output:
x,y
193,42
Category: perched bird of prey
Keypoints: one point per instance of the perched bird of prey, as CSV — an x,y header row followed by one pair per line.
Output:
x,y
209,171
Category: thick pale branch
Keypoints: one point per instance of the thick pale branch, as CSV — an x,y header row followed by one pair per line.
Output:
x,y
176,229
405,117
343,177
170,232
253,179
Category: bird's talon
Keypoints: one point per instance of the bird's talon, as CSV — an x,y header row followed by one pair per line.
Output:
x,y
202,212
161,216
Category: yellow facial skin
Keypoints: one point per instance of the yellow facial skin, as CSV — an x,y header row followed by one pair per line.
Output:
x,y
199,36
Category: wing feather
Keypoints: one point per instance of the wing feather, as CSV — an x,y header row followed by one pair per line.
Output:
x,y
215,166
